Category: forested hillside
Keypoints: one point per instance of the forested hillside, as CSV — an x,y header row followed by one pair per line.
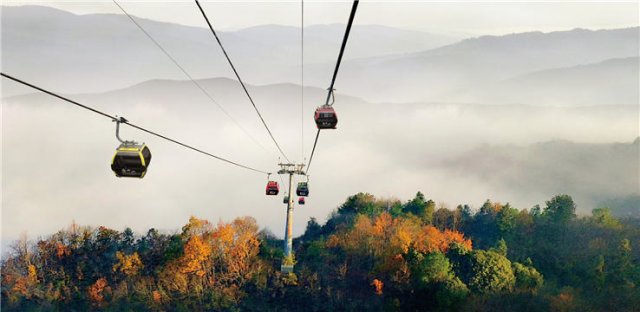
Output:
x,y
371,254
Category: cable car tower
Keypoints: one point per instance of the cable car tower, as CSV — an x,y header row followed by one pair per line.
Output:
x,y
288,261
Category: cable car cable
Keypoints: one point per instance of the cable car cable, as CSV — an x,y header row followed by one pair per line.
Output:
x,y
240,80
315,142
330,95
184,71
344,44
128,123
281,180
58,96
302,76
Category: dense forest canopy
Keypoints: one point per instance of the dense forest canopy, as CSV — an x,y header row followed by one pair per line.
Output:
x,y
371,254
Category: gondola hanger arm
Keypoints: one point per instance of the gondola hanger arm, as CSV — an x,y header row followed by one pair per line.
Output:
x,y
118,121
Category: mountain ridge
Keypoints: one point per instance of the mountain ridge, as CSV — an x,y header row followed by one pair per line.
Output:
x,y
111,44
477,63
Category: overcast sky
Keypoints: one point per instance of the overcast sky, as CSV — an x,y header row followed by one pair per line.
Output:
x,y
462,17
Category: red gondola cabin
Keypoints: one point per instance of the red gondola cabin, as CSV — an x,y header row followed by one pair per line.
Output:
x,y
273,188
326,117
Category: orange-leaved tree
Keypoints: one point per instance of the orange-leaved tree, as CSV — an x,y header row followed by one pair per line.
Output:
x,y
376,247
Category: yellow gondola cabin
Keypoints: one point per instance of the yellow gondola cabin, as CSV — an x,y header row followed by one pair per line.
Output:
x,y
131,160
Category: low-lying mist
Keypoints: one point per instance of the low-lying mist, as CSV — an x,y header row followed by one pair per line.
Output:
x,y
56,157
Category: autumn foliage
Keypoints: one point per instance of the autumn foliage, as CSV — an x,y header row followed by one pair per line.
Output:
x,y
386,240
94,268
371,254
96,291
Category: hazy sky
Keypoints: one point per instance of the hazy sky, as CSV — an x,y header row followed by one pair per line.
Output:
x,y
466,17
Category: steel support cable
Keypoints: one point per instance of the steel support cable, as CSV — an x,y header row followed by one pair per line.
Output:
x,y
302,76
281,180
239,79
129,124
354,7
315,142
184,71
344,44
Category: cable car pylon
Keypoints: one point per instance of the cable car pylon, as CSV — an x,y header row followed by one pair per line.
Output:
x,y
289,261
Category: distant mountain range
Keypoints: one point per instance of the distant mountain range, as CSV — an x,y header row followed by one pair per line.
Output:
x,y
610,82
100,52
462,69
